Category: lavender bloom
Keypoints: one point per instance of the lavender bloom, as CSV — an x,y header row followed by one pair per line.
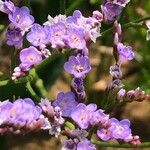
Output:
x,y
121,94
18,72
47,108
45,52
57,33
79,134
99,118
81,114
67,103
85,145
14,36
21,18
136,95
115,71
57,19
116,84
125,52
5,106
30,56
104,134
75,38
54,114
69,145
22,109
22,116
122,3
7,6
120,129
39,36
78,66
111,11
97,15
75,16
77,86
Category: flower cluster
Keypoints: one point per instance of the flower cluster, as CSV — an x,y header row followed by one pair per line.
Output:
x,y
108,128
54,114
68,32
78,141
21,116
132,95
112,9
124,53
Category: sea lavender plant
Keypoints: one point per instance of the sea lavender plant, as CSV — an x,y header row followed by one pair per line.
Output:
x,y
68,114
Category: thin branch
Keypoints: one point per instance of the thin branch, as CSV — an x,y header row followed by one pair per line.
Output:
x,y
32,92
105,144
133,23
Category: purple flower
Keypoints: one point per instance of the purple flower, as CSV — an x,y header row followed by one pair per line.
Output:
x,y
54,114
14,36
69,145
99,118
39,36
57,32
24,112
81,114
75,38
125,52
22,116
57,19
79,134
85,145
97,15
30,56
78,66
21,18
122,3
111,11
75,16
121,94
115,71
67,103
47,107
120,129
7,6
5,107
77,86
104,134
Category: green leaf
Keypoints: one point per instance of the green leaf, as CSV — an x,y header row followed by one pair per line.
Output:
x,y
50,69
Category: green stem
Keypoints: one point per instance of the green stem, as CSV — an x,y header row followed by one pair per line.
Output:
x,y
91,131
62,4
129,24
74,6
105,144
32,92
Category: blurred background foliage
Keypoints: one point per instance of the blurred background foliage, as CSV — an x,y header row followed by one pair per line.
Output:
x,y
135,73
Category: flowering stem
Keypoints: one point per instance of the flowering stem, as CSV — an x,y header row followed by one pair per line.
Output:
x,y
129,24
105,144
32,92
73,6
91,131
